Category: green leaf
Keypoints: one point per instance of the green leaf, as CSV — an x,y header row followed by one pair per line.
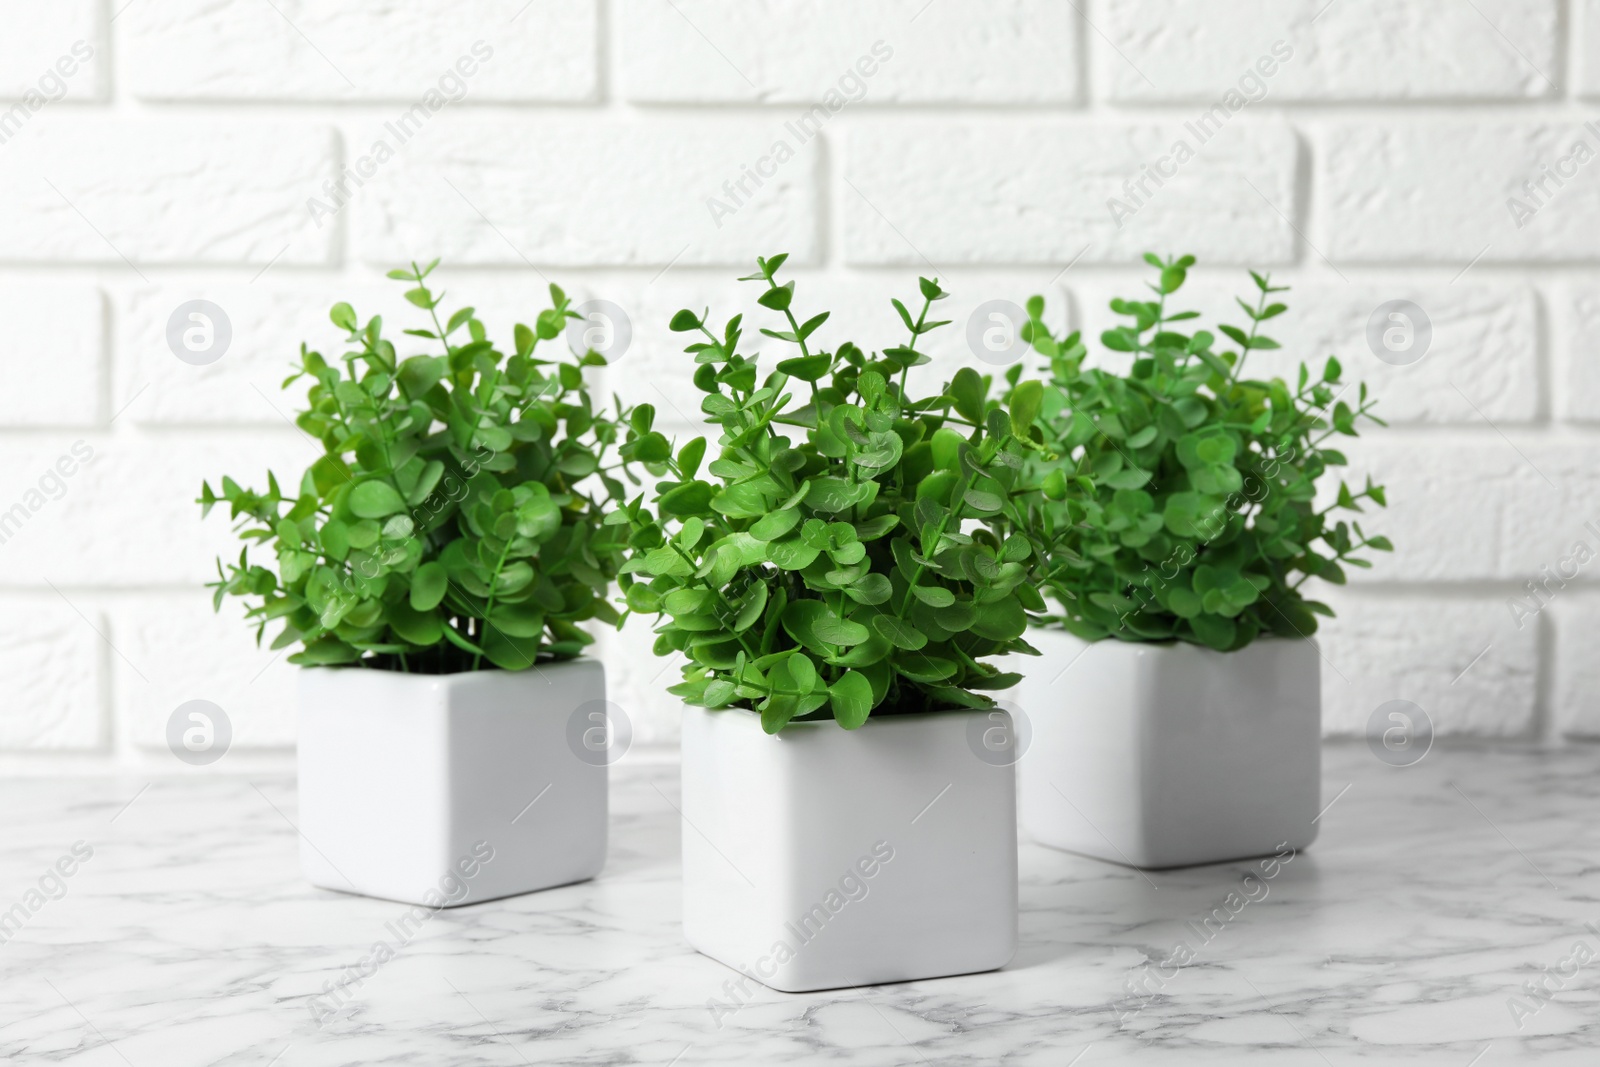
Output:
x,y
1000,620
524,339
899,633
792,555
983,502
755,602
873,529
1142,437
1026,400
719,693
428,586
324,652
1127,478
803,671
538,517
375,500
928,669
690,498
777,713
968,390
775,525
518,620
461,316
815,626
1214,631
851,699
1184,603
689,457
507,652
422,628
807,368
871,589
842,632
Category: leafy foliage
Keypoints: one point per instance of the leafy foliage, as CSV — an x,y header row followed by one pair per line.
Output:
x,y
1183,506
866,564
449,519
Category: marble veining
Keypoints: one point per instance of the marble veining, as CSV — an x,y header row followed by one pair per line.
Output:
x,y
1438,919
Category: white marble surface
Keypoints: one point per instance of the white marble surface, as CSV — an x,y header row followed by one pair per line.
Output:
x,y
1434,893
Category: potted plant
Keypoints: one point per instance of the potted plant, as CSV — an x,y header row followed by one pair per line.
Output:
x,y
837,576
433,566
1176,713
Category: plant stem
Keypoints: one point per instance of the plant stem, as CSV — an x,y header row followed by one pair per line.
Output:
x,y
494,579
1255,324
916,332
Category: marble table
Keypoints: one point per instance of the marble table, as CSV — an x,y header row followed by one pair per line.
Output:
x,y
1448,914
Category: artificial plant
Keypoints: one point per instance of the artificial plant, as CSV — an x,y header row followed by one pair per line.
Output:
x,y
1182,498
848,549
453,520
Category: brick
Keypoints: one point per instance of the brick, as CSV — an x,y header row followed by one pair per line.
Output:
x,y
1471,506
265,324
1040,192
52,355
1460,659
1483,356
1579,332
51,659
1443,191
700,51
126,517
1574,616
570,192
1163,50
1589,49
52,52
293,50
175,648
164,191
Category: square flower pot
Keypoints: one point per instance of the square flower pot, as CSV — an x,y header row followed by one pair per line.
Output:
x,y
1169,755
821,857
444,790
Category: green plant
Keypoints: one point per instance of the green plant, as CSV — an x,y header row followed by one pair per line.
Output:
x,y
449,520
1184,504
869,563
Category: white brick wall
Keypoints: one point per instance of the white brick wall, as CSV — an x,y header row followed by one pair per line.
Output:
x,y
1350,50
52,50
241,50
1436,191
274,158
97,189
935,191
582,191
891,51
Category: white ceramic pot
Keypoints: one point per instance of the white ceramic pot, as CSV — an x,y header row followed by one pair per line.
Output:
x,y
822,857
452,789
1169,755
